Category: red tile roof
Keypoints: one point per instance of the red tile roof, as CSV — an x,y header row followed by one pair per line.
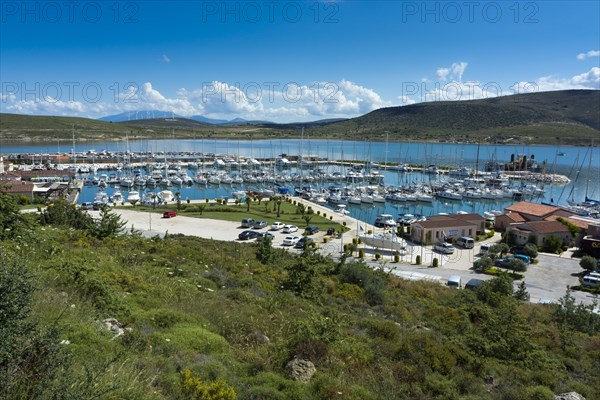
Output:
x,y
525,207
544,227
17,187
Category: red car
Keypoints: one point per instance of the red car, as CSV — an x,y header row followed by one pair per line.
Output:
x,y
169,214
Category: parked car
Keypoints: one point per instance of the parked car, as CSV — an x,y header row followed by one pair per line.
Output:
x,y
259,224
444,248
247,235
454,281
169,214
311,230
290,229
503,262
87,205
300,243
262,235
290,240
247,222
474,283
275,226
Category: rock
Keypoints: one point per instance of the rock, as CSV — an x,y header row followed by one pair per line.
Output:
x,y
569,396
261,338
300,370
113,326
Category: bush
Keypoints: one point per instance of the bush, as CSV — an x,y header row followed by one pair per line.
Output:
x,y
418,260
377,256
530,250
435,263
361,253
396,258
588,263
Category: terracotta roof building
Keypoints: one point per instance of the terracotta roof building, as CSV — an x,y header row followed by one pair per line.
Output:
x,y
447,227
537,232
18,188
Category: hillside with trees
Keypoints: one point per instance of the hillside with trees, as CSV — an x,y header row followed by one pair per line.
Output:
x,y
89,311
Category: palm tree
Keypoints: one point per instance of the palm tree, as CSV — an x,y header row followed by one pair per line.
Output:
x,y
248,201
278,207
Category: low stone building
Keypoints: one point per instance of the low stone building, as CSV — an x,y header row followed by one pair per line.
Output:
x,y
537,232
18,188
447,228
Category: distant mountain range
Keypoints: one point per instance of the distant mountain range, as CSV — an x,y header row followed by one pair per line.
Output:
x,y
130,116
559,117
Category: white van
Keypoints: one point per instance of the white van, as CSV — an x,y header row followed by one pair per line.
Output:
x,y
483,250
454,281
466,242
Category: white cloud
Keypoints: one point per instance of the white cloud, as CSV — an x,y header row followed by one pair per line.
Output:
x,y
589,54
442,73
454,72
220,100
166,58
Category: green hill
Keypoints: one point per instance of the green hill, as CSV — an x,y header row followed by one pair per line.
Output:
x,y
545,117
570,116
87,313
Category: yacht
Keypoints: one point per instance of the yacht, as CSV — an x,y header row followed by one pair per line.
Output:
x,y
387,241
385,220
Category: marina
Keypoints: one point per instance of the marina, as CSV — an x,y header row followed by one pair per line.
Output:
x,y
366,179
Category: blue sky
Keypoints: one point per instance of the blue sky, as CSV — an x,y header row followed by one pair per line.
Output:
x,y
287,60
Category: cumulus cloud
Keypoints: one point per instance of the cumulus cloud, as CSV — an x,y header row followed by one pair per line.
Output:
x,y
589,54
279,102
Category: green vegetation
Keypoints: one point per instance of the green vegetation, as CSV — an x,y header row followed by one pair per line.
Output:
x,y
588,263
533,118
200,319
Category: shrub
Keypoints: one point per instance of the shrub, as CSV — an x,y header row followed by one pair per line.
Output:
x,y
361,253
396,258
435,263
588,263
418,260
193,388
530,250
377,256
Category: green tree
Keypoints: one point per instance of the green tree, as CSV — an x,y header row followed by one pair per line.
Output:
x,y
521,293
178,199
66,214
483,264
248,202
499,249
108,225
12,222
552,245
588,263
517,265
530,250
307,218
265,252
279,207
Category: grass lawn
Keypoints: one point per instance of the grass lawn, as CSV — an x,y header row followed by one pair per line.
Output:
x,y
263,211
